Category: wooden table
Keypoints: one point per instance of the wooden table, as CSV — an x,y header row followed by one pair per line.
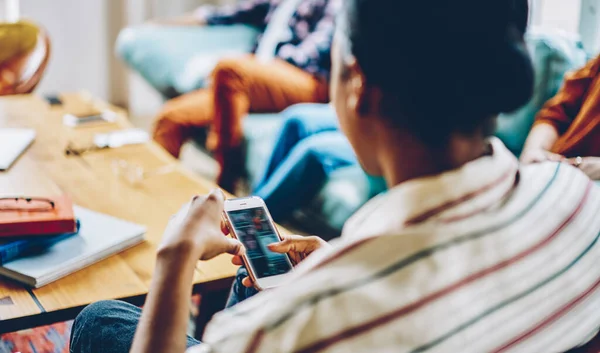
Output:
x,y
45,170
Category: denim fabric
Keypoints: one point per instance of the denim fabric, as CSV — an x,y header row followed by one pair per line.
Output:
x,y
107,327
308,149
238,292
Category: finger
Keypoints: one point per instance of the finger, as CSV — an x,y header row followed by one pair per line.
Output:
x,y
290,243
237,260
224,227
281,247
247,282
233,247
556,158
212,205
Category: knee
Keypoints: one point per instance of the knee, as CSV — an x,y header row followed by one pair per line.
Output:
x,y
227,72
300,110
294,124
92,314
166,120
87,327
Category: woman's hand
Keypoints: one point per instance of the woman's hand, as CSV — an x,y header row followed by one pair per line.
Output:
x,y
298,247
194,233
589,165
538,155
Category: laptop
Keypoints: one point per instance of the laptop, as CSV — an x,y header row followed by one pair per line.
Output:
x,y
13,142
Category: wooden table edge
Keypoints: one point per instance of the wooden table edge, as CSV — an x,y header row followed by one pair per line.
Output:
x,y
48,318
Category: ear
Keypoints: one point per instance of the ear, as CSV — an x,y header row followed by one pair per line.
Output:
x,y
357,93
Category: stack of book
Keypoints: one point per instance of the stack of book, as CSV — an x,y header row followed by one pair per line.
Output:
x,y
45,239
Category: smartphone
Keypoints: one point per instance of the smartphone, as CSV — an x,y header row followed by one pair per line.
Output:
x,y
250,222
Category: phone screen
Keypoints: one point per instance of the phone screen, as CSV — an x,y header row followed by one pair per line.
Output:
x,y
255,231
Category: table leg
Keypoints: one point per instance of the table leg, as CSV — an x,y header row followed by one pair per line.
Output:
x,y
211,302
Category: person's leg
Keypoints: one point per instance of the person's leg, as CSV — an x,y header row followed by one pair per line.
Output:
x,y
243,85
107,327
301,121
238,292
297,180
180,117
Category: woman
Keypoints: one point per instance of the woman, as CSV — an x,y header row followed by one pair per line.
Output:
x,y
290,65
466,252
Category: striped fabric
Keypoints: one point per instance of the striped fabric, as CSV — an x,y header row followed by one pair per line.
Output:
x,y
488,258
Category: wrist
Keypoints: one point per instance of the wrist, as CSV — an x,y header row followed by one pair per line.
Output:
x,y
180,254
173,271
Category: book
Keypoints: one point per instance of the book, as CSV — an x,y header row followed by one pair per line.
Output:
x,y
13,142
59,220
100,236
13,249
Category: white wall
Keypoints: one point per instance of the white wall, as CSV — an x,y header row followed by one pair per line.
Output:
x,y
563,14
80,46
577,16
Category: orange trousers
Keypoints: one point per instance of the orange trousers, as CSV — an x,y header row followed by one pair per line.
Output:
x,y
239,86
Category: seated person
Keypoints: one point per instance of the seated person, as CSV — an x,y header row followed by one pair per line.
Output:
x,y
291,65
309,148
568,127
467,251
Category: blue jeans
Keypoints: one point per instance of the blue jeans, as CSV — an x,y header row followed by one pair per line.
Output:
x,y
309,147
109,326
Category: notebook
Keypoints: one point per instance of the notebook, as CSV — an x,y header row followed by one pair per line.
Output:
x,y
100,236
58,220
13,142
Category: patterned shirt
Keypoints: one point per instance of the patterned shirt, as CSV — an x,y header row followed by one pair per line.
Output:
x,y
491,257
312,28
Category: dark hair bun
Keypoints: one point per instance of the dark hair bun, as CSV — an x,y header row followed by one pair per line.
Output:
x,y
446,63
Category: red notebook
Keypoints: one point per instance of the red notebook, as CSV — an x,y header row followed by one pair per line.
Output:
x,y
49,220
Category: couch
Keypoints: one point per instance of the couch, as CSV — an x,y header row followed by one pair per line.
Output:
x,y
165,58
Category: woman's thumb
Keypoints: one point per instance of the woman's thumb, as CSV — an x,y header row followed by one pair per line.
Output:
x,y
233,246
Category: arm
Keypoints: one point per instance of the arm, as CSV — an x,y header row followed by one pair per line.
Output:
x,y
561,110
314,51
539,142
558,114
194,233
165,316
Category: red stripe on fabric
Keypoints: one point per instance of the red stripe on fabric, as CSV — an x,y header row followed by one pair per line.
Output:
x,y
479,210
256,341
558,314
367,326
439,209
342,252
430,213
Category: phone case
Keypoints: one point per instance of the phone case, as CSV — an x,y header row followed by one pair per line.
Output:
x,y
244,259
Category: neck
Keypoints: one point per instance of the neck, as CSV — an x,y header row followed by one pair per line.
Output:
x,y
413,159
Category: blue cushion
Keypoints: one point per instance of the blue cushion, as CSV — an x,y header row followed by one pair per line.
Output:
x,y
165,56
553,54
260,131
